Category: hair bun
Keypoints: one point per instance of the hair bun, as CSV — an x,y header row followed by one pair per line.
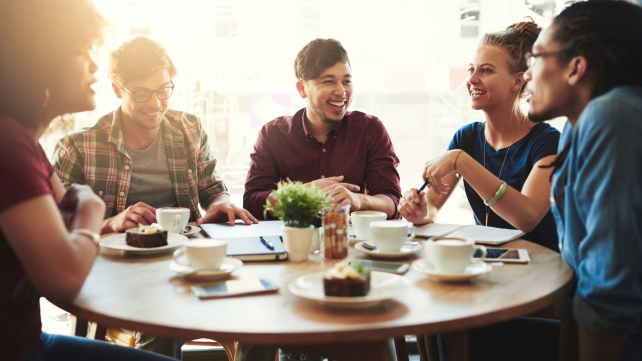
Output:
x,y
527,28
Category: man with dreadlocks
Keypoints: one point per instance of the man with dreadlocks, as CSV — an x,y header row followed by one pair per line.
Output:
x,y
585,67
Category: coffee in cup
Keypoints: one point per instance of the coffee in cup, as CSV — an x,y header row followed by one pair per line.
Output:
x,y
202,254
172,219
451,254
389,236
361,222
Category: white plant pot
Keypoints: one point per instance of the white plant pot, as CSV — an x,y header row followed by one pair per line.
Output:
x,y
297,242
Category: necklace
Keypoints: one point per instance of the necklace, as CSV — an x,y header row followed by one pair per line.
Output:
x,y
504,161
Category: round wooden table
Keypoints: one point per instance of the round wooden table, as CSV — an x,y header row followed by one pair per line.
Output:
x,y
142,293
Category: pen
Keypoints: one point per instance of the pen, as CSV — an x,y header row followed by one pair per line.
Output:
x,y
423,186
267,243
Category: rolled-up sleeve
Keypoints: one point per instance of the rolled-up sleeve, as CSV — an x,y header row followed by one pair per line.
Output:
x,y
381,172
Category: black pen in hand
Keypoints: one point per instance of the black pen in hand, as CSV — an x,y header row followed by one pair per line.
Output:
x,y
423,186
267,243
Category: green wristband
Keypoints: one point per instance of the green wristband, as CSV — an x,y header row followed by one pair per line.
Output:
x,y
500,193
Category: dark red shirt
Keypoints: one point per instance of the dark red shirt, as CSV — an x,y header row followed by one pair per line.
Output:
x,y
358,148
25,173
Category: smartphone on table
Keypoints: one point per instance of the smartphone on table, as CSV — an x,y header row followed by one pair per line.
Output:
x,y
234,288
390,267
508,255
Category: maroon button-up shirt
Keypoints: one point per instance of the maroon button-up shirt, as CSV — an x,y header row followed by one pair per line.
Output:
x,y
358,148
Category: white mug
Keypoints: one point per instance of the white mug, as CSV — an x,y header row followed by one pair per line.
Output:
x,y
451,254
172,219
361,222
389,236
202,254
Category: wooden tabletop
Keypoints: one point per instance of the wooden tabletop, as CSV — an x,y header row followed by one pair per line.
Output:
x,y
143,294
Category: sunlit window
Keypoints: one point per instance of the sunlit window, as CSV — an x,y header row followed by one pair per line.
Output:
x,y
235,67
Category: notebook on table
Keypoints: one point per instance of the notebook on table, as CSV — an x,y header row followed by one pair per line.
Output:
x,y
244,242
481,234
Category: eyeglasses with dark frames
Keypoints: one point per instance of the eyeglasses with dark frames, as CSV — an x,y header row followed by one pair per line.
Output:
x,y
531,58
142,96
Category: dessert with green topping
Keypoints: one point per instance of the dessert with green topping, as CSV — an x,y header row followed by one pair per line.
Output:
x,y
344,280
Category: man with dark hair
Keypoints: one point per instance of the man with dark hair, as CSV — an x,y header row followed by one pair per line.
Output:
x,y
347,154
144,156
585,66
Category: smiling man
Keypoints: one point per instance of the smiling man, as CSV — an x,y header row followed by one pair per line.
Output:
x,y
348,154
144,156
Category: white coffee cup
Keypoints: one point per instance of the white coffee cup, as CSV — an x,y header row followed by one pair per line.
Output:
x,y
389,236
361,222
451,254
172,219
202,254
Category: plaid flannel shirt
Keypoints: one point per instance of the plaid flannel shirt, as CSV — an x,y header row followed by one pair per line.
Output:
x,y
96,156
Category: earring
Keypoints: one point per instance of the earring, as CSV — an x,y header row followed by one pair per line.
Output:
x,y
44,104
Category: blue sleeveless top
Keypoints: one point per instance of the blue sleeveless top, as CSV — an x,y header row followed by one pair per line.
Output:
x,y
540,142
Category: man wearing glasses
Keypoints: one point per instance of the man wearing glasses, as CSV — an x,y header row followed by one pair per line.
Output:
x,y
144,156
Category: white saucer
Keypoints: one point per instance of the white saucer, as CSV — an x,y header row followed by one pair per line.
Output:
x,y
405,251
477,268
117,242
383,286
228,266
193,230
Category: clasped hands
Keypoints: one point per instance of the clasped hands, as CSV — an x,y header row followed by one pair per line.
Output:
x,y
342,193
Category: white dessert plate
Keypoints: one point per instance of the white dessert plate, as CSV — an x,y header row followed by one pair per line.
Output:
x,y
117,242
192,231
229,265
383,286
405,251
475,269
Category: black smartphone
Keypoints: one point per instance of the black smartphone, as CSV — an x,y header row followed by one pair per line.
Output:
x,y
233,288
509,255
390,267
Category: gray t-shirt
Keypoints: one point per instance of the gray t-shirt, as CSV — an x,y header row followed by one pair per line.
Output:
x,y
150,181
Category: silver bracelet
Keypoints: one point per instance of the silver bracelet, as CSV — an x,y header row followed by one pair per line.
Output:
x,y
91,234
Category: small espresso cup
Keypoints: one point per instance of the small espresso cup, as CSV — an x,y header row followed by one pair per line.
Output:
x,y
451,254
172,219
361,222
389,236
202,254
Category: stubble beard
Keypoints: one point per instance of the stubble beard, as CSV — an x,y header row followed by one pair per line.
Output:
x,y
322,116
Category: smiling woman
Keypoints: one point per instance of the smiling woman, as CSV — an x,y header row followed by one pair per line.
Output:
x,y
499,158
46,71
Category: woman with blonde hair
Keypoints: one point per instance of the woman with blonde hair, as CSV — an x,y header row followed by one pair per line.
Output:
x,y
46,71
500,158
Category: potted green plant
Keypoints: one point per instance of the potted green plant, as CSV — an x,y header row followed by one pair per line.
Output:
x,y
297,205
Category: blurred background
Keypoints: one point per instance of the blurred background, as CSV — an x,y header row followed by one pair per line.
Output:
x,y
235,67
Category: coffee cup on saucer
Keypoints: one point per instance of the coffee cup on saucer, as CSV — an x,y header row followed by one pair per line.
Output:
x,y
173,219
203,254
390,236
361,222
452,255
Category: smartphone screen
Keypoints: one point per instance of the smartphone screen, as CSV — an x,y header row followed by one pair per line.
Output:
x,y
492,253
233,287
382,266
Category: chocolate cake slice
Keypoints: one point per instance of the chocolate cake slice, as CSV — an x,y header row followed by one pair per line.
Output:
x,y
137,238
346,281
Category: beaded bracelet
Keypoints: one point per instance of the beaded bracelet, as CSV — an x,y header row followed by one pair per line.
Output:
x,y
91,234
500,193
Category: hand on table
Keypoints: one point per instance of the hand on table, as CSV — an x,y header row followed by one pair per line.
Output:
x,y
413,206
224,210
133,215
329,181
343,193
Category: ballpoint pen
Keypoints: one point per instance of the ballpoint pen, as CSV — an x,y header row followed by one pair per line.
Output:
x,y
267,243
423,186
